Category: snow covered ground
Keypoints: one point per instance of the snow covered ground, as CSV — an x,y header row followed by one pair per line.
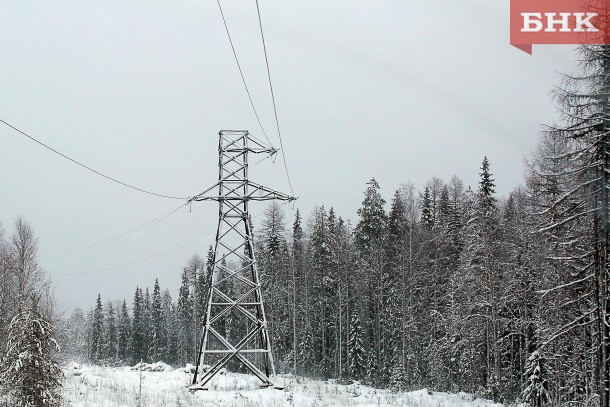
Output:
x,y
92,386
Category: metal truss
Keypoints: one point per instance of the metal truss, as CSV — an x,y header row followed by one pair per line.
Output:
x,y
235,326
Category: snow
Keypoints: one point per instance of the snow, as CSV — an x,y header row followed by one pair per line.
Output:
x,y
153,367
94,386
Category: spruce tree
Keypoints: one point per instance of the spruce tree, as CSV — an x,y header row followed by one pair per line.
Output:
x,y
201,293
355,349
138,329
170,323
124,334
536,393
147,325
29,372
369,236
370,229
480,300
321,260
392,286
158,343
110,345
426,211
299,295
96,344
186,345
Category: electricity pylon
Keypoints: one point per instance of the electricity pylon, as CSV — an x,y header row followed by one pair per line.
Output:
x,y
235,325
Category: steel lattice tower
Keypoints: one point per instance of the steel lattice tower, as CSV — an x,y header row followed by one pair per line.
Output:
x,y
234,325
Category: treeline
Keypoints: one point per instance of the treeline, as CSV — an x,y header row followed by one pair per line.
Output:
x,y
152,328
452,288
29,370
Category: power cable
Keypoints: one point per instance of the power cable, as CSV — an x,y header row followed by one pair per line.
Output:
x,y
210,236
122,243
154,222
89,168
142,260
277,123
241,72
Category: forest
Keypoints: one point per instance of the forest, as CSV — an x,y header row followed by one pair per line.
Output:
x,y
447,287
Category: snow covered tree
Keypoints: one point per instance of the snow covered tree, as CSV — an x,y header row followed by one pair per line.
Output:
x,y
276,276
397,377
370,229
426,209
158,345
29,373
110,341
123,334
535,394
572,179
186,344
202,278
170,323
147,324
369,237
139,344
356,351
96,336
479,280
392,286
71,334
299,295
306,354
31,280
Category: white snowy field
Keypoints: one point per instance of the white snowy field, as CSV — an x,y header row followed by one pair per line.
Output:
x,y
92,386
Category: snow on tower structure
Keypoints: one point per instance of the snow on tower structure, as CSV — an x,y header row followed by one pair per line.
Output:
x,y
235,325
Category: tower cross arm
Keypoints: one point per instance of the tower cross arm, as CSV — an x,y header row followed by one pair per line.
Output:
x,y
243,191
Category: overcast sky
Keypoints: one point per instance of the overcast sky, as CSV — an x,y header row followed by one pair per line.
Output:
x,y
396,90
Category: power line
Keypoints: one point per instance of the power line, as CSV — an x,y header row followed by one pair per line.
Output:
x,y
152,224
89,168
241,72
210,236
155,221
279,133
141,260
